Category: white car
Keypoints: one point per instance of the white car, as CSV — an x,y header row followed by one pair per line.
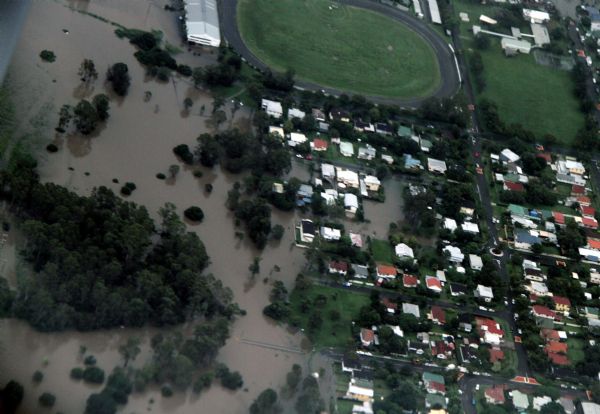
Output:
x,y
477,387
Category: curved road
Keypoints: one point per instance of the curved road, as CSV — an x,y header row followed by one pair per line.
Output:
x,y
449,76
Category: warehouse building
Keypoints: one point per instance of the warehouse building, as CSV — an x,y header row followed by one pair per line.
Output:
x,y
202,22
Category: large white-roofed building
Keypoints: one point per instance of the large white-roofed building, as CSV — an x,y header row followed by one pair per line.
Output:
x,y
202,22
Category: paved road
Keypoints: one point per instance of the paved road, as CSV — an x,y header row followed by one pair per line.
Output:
x,y
449,76
12,16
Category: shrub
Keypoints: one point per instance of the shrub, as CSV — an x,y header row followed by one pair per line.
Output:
x,y
38,376
161,176
184,70
194,213
48,55
51,148
277,232
208,187
118,75
166,391
47,399
77,373
93,375
90,360
128,188
163,74
198,174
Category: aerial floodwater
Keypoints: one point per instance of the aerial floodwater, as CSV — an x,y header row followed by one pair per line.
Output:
x,y
134,146
12,16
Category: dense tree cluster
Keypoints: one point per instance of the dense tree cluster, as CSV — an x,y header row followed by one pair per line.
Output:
x,y
118,76
224,73
96,264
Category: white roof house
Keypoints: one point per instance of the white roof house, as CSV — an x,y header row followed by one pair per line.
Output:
x,y
434,12
346,149
403,250
456,255
276,130
437,166
484,292
535,16
296,113
327,170
539,402
298,138
202,22
347,177
470,227
450,224
272,108
475,261
350,202
372,183
329,233
412,309
515,45
508,156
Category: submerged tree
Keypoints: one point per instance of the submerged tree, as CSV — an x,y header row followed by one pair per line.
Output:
x,y
87,71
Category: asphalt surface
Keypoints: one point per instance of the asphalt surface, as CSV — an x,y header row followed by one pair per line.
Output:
x,y
450,83
12,17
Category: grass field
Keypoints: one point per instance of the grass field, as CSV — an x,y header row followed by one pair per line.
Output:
x,y
538,97
344,47
332,332
382,251
575,350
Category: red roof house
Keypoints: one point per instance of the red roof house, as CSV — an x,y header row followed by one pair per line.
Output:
x,y
390,306
543,312
584,200
386,271
593,244
367,337
577,190
561,302
495,395
438,315
589,222
556,347
545,155
550,335
496,354
433,283
558,359
559,218
436,387
338,267
516,187
489,325
587,211
410,281
320,144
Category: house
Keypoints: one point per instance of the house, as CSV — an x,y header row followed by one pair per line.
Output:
x,y
589,222
388,159
587,211
339,114
508,156
386,271
360,389
438,315
409,281
442,349
433,284
327,171
351,363
362,126
525,240
489,330
307,231
372,183
450,224
296,113
436,166
538,288
411,163
494,395
475,262
496,354
595,278
434,383
367,337
330,234
520,400
589,408
366,153
484,292
435,400
515,187
390,306
410,308
549,335
469,227
556,347
319,145
561,304
404,131
272,108
318,115
383,129
403,251
593,244
346,149
539,402
338,267
350,204
297,138
577,190
456,255
594,18
457,289
441,275
202,22
356,240
589,254
464,322
360,271
347,178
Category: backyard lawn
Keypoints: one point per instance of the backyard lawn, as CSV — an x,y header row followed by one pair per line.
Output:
x,y
341,46
334,331
575,350
382,251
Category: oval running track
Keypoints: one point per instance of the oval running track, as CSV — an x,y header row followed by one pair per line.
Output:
x,y
449,82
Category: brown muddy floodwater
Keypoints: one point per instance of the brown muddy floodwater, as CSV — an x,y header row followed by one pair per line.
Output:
x,y
135,144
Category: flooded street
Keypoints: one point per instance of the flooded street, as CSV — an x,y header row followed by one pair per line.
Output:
x,y
135,145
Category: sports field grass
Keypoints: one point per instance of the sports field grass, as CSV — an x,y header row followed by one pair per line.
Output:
x,y
343,47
